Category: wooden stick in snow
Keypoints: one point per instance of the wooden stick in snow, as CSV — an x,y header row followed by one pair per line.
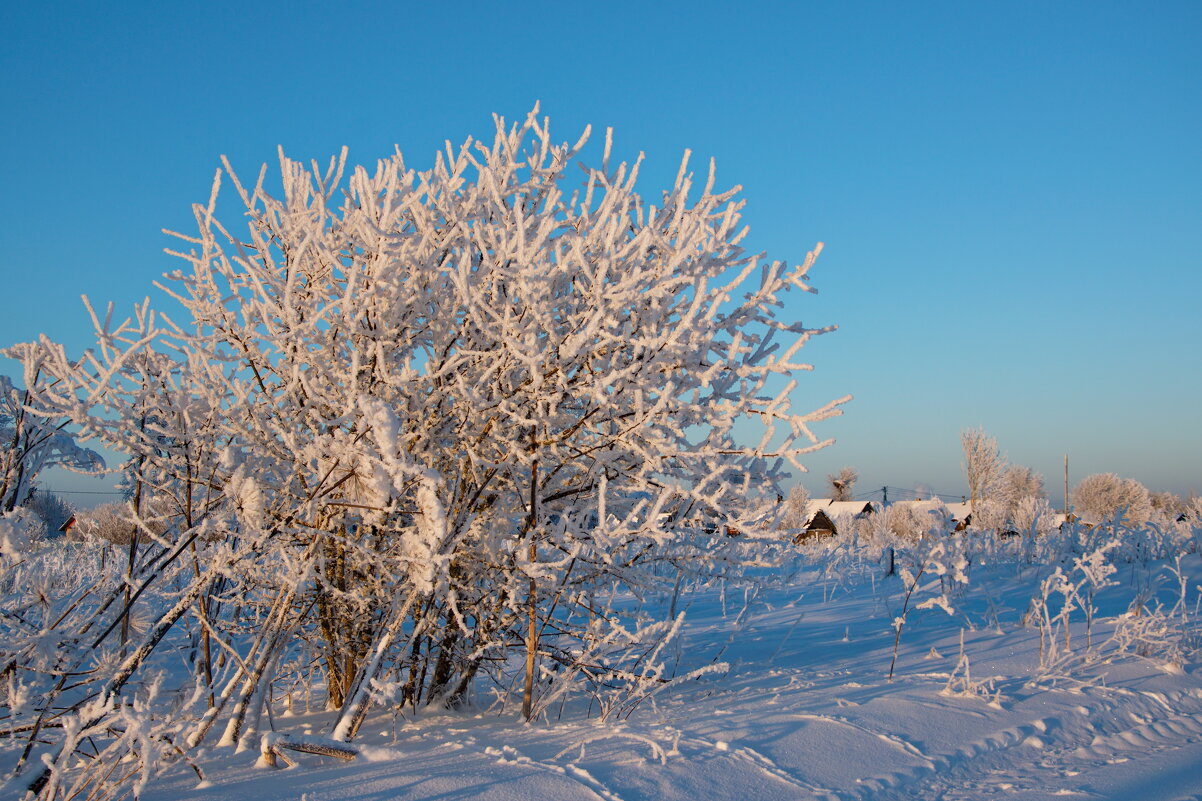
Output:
x,y
273,745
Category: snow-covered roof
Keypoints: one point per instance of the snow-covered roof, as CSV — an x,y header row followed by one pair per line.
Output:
x,y
959,511
846,508
926,504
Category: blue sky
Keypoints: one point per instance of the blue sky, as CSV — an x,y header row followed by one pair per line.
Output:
x,y
1010,193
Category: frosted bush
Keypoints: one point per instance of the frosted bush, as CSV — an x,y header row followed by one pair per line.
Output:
x,y
990,515
16,530
1101,496
1033,517
424,431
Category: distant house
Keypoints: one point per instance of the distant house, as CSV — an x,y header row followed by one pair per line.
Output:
x,y
856,509
961,513
819,526
825,513
67,527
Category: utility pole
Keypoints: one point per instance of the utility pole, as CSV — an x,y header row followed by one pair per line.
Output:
x,y
1066,483
884,496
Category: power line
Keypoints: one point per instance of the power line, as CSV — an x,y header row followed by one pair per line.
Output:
x,y
79,492
928,492
883,492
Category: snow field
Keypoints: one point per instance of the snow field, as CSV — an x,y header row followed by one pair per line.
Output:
x,y
804,711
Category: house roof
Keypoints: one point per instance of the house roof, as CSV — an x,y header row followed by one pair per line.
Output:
x,y
923,505
821,520
824,512
847,508
959,511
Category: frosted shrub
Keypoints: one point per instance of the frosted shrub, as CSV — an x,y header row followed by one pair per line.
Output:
x,y
1171,636
425,431
17,529
1062,593
935,553
905,521
990,515
1033,518
34,440
795,512
1168,504
961,683
1019,483
51,509
1101,496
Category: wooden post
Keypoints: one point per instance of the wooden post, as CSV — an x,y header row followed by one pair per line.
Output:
x,y
1066,483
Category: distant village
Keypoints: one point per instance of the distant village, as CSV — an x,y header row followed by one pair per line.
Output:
x,y
1007,500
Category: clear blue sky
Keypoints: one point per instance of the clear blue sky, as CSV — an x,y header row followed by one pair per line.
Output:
x,y
1010,192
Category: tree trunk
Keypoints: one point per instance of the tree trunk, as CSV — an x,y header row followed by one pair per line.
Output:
x,y
532,600
531,643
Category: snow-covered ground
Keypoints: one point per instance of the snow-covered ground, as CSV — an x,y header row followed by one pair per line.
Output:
x,y
805,710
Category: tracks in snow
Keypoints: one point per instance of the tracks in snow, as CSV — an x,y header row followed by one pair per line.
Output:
x,y
508,755
1054,749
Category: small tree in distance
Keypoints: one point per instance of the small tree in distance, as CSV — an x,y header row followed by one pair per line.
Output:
x,y
1100,496
842,483
115,522
50,508
33,442
1017,483
797,508
983,465
1170,505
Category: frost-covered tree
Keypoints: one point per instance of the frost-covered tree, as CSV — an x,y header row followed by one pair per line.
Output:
x,y
1168,504
115,522
1018,483
983,465
842,483
796,513
14,535
999,510
106,522
1100,496
420,427
990,514
50,508
31,441
1033,517
905,520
